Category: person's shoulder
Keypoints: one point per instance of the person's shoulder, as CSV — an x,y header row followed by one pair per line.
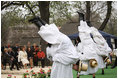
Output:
x,y
20,51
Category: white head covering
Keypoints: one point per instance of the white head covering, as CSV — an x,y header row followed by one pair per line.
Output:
x,y
50,33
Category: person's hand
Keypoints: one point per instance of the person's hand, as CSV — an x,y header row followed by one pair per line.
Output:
x,y
59,27
75,67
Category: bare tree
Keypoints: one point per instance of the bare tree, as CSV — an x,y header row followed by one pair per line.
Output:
x,y
109,7
43,7
88,11
44,10
5,4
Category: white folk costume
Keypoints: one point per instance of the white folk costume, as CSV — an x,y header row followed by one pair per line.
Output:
x,y
87,48
23,57
102,46
62,52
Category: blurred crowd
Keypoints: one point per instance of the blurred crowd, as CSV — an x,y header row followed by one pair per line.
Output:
x,y
22,56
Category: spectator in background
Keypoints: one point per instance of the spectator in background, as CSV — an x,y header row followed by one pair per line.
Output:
x,y
14,59
25,47
19,61
15,49
6,58
8,45
41,57
28,44
23,57
35,58
3,47
30,56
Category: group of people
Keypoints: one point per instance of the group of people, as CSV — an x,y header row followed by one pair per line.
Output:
x,y
22,56
61,50
65,55
92,48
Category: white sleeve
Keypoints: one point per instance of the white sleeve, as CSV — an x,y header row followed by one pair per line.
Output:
x,y
100,42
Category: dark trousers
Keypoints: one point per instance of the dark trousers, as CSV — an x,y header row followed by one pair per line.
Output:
x,y
35,61
42,62
14,62
4,62
115,63
20,65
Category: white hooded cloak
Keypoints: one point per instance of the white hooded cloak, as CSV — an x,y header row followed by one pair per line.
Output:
x,y
102,45
62,52
87,48
100,42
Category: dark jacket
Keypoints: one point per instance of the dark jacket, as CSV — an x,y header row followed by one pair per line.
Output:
x,y
30,54
6,57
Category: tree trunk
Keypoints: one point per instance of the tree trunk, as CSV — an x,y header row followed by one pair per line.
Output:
x,y
88,11
109,7
44,10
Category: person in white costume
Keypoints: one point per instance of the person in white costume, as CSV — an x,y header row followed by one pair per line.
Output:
x,y
102,45
23,57
86,47
60,50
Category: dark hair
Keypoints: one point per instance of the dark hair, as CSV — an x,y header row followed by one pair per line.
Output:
x,y
18,48
21,47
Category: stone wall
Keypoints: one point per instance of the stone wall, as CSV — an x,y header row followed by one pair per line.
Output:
x,y
22,34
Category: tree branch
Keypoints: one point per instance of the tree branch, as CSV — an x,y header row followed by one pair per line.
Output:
x,y
10,3
88,11
109,7
30,8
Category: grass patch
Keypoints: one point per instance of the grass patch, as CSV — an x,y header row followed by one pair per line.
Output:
x,y
109,73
